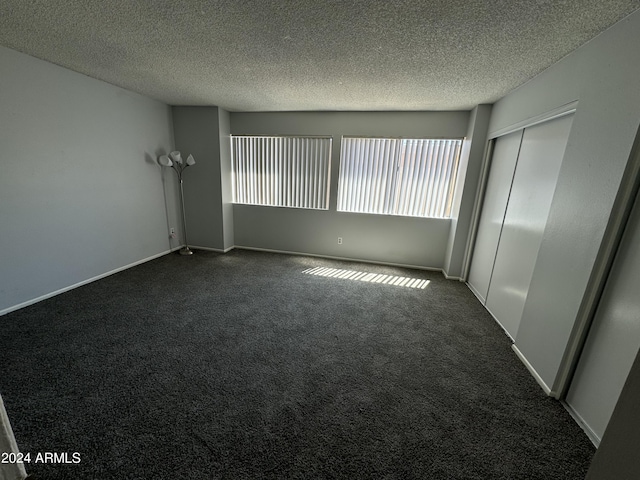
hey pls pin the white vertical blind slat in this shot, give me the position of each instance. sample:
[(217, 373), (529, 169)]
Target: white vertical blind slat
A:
[(385, 192), (352, 190), (361, 176), (435, 181), (403, 166), (326, 167), (371, 175), (392, 182), (441, 178), (422, 149), (376, 186), (426, 180), (409, 167), (307, 169), (453, 177), (446, 175)]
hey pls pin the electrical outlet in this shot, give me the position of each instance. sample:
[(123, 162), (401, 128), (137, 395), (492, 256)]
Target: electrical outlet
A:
[(339, 240), (172, 232)]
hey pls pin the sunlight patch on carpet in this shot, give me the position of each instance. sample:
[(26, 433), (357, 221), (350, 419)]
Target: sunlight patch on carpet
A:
[(368, 277)]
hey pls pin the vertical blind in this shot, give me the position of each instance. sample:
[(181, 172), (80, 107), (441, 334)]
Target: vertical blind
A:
[(394, 176), (281, 171)]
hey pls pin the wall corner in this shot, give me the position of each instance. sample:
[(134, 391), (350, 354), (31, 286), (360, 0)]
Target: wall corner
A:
[(469, 170), (226, 178)]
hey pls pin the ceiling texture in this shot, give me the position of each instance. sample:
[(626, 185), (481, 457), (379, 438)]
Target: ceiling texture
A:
[(269, 55)]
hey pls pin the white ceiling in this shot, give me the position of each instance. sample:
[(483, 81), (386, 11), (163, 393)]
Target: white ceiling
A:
[(269, 55)]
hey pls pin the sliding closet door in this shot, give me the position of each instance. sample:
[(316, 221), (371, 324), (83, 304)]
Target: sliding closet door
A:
[(532, 190), (503, 164), (614, 337)]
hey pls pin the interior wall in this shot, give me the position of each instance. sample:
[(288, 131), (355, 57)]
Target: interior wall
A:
[(617, 456), (196, 132), (466, 187), (602, 75), (403, 240), (81, 193), (224, 123), (613, 340), (376, 238)]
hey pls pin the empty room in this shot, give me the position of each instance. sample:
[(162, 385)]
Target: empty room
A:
[(251, 239)]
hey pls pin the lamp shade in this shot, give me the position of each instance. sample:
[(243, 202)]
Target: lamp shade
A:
[(165, 161), (191, 160), (176, 157)]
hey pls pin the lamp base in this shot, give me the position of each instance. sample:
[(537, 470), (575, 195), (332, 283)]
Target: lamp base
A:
[(186, 251)]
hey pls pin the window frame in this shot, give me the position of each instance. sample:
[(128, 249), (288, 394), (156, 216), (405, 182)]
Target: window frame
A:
[(396, 196), (291, 168)]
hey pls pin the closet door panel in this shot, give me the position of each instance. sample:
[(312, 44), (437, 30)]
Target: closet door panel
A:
[(534, 184), (503, 165)]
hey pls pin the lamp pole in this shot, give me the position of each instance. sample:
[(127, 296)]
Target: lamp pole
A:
[(184, 250), (174, 160)]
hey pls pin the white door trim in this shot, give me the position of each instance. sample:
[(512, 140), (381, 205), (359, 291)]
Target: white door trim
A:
[(560, 111)]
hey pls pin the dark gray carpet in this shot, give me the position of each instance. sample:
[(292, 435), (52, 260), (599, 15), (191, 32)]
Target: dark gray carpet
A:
[(240, 366)]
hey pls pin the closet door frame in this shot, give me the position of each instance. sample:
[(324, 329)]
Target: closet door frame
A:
[(612, 343), (628, 192)]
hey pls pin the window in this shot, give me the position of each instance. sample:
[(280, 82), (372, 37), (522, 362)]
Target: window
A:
[(396, 176), (281, 171)]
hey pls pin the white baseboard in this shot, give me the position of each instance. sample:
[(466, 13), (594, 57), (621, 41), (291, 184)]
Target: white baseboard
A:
[(595, 439), (513, 345), (475, 292), (506, 332), (484, 303), (210, 249), (533, 372), (111, 272), (348, 259), (84, 282), (451, 277)]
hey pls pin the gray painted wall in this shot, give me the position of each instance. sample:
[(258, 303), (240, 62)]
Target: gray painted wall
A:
[(80, 191), (196, 131), (617, 457), (377, 238), (603, 76), (613, 340), (224, 123), (402, 240), (466, 188)]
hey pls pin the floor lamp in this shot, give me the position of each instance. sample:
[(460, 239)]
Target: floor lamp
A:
[(174, 160)]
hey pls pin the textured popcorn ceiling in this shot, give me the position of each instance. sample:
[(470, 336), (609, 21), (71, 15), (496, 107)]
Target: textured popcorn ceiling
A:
[(261, 55)]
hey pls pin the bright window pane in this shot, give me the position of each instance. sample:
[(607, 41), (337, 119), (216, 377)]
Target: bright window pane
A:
[(398, 176), (281, 171)]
